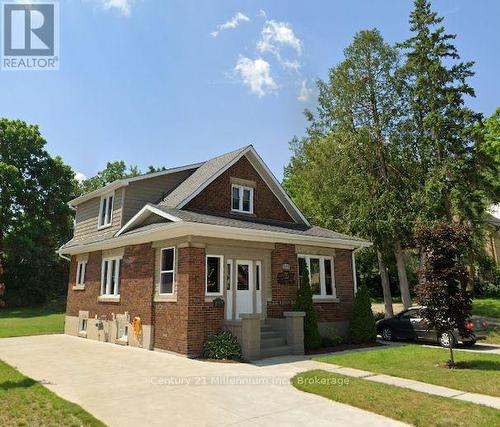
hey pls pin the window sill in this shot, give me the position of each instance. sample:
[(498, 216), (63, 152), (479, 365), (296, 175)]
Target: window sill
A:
[(211, 297), (79, 287), (325, 299), (102, 227), (82, 334), (108, 298), (243, 213), (165, 298), (122, 341)]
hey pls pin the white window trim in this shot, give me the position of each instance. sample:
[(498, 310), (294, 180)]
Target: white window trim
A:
[(83, 265), (167, 271), (240, 208), (322, 258), (103, 292), (107, 220), (221, 276)]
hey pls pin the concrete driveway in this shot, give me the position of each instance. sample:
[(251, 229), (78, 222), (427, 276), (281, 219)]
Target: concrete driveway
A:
[(127, 386)]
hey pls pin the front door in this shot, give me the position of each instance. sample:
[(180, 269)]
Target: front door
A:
[(244, 288)]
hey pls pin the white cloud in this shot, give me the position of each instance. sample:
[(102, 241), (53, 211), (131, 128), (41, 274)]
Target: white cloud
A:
[(256, 75), (290, 65), (305, 93), (276, 35), (231, 24), (122, 6), (80, 177), (262, 14)]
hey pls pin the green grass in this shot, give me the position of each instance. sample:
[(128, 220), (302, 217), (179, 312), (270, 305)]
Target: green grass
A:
[(30, 321), (409, 406), (25, 402), (493, 336), (487, 307), (480, 374)]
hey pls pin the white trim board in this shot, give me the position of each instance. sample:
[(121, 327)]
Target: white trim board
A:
[(145, 212), (184, 228)]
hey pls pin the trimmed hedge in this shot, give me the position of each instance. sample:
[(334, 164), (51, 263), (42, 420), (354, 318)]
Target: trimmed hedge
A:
[(223, 345)]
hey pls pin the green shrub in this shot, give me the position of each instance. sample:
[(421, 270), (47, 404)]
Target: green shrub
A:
[(331, 338), (304, 302), (223, 345), (362, 327)]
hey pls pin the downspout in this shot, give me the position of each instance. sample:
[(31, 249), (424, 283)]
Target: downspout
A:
[(63, 256), (354, 276)]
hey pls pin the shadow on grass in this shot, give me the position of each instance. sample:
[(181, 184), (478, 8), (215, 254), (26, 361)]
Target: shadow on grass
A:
[(26, 313), (481, 365), (25, 383)]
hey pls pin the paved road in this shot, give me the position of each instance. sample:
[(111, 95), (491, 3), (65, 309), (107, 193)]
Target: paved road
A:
[(126, 386)]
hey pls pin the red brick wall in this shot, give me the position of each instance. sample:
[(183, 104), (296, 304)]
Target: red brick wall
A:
[(335, 312), (136, 285), (216, 198), (284, 295), (183, 326)]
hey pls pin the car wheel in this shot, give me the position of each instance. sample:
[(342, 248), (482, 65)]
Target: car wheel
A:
[(469, 343), (447, 340), (387, 334)]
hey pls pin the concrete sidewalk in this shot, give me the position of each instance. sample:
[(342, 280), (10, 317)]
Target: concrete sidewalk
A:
[(124, 386), (436, 390)]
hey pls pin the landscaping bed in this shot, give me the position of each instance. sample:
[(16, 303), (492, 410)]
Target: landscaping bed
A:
[(409, 406), (479, 373)]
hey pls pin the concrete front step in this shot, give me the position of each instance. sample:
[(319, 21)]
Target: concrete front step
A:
[(269, 334), (281, 350), (272, 342)]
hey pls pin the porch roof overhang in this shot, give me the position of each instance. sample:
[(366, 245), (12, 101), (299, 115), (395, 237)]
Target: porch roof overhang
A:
[(180, 228)]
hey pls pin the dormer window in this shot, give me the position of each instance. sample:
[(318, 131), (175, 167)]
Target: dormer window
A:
[(241, 199), (106, 211)]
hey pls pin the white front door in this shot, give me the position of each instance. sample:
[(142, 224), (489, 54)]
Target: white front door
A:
[(244, 288)]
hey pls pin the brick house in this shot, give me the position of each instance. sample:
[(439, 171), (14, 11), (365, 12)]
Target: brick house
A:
[(192, 250)]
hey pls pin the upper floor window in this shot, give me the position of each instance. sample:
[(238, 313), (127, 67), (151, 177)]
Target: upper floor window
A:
[(110, 277), (241, 199), (167, 271), (321, 277), (106, 210), (80, 273)]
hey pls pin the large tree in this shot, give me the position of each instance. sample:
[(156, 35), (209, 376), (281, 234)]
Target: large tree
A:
[(353, 170), (34, 217)]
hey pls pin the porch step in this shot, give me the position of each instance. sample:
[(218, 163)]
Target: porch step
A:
[(265, 327), (272, 342), (269, 334), (276, 351)]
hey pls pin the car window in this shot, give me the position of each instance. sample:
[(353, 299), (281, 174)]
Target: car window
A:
[(410, 314)]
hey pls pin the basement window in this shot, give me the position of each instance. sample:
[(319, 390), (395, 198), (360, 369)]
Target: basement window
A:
[(241, 199)]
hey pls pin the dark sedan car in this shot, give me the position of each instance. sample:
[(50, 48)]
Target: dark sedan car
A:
[(410, 325)]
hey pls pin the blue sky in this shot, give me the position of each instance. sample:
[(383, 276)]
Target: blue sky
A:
[(174, 82)]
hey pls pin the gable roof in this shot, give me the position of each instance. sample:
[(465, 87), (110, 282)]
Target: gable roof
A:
[(212, 169), (126, 181)]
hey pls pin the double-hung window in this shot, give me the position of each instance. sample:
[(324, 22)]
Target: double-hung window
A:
[(80, 273), (167, 271), (241, 199), (105, 211), (110, 277), (214, 279), (321, 277)]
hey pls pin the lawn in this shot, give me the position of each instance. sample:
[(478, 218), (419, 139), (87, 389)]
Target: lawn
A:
[(487, 307), (26, 402), (30, 321), (409, 406), (481, 373)]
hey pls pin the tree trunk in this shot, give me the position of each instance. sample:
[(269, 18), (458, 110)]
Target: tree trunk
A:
[(403, 278), (386, 287)]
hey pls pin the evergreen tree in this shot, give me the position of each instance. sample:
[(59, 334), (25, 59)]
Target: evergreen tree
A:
[(304, 302), (362, 327)]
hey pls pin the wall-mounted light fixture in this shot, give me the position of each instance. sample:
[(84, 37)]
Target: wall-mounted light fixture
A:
[(286, 266)]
